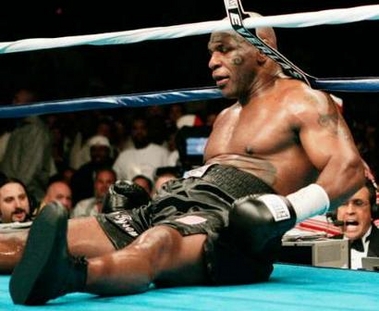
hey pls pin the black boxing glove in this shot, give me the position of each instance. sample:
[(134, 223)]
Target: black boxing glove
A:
[(256, 219), (124, 194)]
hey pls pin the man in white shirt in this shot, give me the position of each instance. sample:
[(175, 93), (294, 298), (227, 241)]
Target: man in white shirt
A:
[(144, 157), (104, 178)]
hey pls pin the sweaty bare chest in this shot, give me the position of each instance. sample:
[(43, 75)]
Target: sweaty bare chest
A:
[(256, 135)]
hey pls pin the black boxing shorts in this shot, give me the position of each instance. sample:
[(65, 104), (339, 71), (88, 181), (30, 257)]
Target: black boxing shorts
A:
[(198, 204)]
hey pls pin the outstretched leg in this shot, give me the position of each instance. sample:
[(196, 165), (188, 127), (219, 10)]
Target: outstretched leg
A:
[(159, 255), (85, 238)]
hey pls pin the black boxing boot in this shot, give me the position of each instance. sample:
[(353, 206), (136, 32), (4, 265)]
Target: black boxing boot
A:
[(124, 194), (46, 270)]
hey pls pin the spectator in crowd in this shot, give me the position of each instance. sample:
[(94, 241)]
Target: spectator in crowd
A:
[(356, 217), (164, 174), (121, 138), (144, 157), (58, 190), (82, 181), (15, 203), (91, 124), (28, 155), (61, 141), (145, 182), (92, 206), (156, 121)]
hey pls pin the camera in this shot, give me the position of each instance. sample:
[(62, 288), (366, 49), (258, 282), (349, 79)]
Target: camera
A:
[(190, 142)]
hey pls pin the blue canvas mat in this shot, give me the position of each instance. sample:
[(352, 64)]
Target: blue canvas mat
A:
[(291, 287)]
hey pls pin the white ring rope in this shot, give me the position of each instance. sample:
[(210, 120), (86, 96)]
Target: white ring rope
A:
[(297, 20)]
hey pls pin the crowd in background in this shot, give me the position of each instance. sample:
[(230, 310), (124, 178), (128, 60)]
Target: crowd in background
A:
[(90, 150)]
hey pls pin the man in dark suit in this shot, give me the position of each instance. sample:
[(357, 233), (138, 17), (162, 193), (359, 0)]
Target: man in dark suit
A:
[(356, 217)]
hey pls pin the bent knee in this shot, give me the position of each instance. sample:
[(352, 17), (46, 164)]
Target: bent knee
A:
[(174, 259), (161, 238), (168, 249)]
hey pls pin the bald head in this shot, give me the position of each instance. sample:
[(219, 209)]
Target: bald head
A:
[(59, 191), (267, 34)]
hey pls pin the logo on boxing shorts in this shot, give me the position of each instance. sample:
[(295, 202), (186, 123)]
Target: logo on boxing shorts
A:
[(191, 220), (123, 220), (277, 206), (197, 172)]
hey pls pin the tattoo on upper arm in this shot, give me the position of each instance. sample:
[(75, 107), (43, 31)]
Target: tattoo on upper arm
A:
[(329, 121), (334, 123)]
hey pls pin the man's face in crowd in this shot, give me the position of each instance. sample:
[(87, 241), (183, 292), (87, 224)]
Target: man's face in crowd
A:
[(356, 214), (14, 203), (59, 191)]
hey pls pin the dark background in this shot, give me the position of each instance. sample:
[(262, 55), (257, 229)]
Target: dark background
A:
[(323, 51)]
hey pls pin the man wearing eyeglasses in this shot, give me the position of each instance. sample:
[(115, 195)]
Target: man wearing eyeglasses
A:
[(356, 217)]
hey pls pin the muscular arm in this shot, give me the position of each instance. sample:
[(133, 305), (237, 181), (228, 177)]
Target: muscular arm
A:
[(329, 145)]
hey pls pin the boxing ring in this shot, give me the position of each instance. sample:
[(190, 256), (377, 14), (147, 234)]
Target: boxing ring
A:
[(294, 288), (291, 287)]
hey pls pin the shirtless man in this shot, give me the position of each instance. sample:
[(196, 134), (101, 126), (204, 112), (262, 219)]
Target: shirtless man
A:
[(281, 140)]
